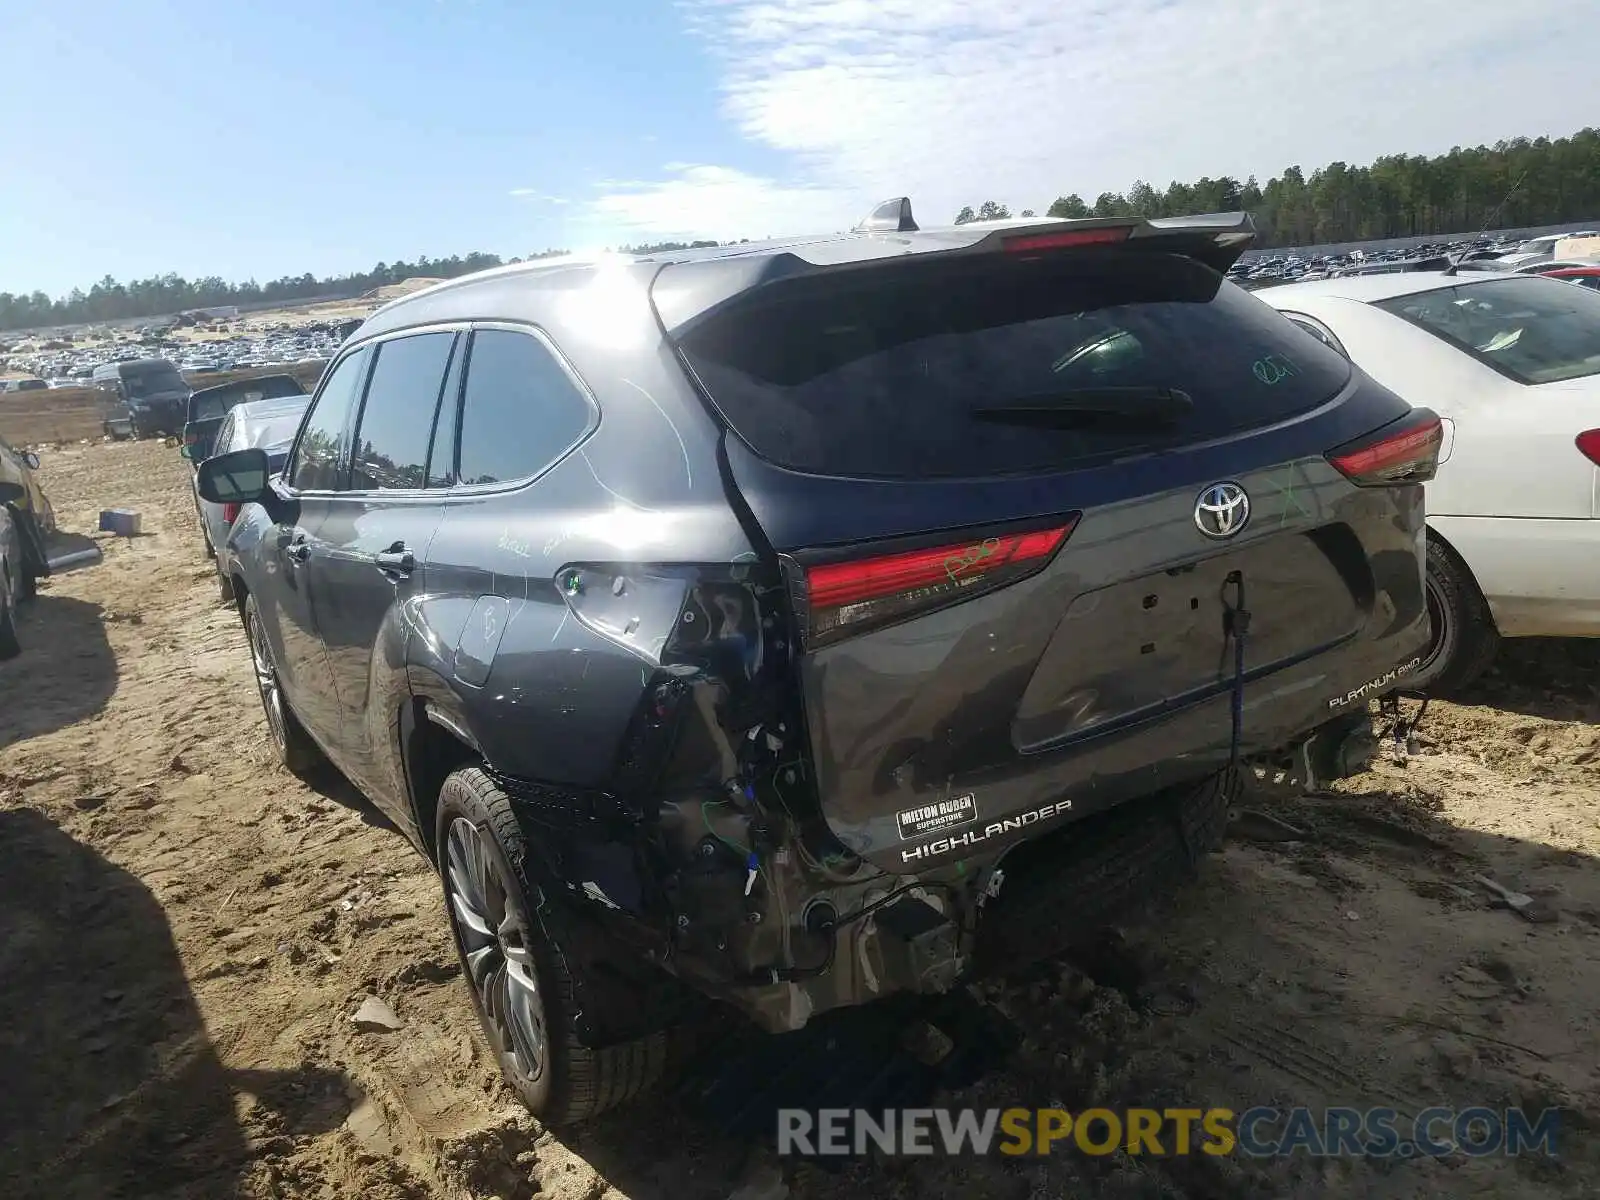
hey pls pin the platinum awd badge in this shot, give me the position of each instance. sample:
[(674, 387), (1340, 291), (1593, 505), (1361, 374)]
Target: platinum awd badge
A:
[(1374, 685)]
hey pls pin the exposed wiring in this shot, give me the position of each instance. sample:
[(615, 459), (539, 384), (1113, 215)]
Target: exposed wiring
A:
[(866, 910), (828, 866), (705, 816), (1400, 729), (790, 974)]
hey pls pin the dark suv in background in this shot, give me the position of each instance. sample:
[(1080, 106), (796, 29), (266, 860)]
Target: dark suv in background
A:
[(147, 396), (806, 622)]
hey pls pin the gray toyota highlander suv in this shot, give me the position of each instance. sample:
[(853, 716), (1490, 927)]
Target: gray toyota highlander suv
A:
[(800, 623)]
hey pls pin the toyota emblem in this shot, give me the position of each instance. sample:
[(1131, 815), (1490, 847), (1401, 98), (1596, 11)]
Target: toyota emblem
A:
[(1222, 510)]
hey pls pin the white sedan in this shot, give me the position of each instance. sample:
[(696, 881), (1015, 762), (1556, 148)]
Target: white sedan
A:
[(1512, 365)]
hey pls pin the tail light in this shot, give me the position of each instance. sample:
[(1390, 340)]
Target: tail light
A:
[(850, 596), (190, 439), (230, 513), (1029, 243), (1404, 452), (1589, 445)]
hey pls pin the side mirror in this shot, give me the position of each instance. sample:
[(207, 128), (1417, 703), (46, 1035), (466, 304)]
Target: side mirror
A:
[(10, 492), (30, 460), (239, 477)]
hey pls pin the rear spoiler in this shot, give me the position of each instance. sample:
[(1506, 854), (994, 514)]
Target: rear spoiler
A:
[(1216, 239), (684, 293)]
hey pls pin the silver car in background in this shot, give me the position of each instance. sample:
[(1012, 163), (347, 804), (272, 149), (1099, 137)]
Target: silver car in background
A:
[(268, 425)]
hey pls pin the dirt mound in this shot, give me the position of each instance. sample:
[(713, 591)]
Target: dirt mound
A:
[(185, 932), (51, 415), (393, 291)]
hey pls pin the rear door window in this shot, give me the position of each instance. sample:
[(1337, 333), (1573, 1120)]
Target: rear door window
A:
[(520, 411), (882, 372), (391, 443)]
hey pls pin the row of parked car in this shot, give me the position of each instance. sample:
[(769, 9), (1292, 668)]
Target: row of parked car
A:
[(256, 344), (1485, 252)]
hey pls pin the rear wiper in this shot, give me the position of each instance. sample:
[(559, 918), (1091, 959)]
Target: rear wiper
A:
[(1081, 407)]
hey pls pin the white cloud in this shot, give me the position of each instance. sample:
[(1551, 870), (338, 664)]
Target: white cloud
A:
[(693, 200), (524, 193), (956, 102)]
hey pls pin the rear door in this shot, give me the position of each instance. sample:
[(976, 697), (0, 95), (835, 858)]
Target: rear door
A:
[(1007, 490), (368, 550)]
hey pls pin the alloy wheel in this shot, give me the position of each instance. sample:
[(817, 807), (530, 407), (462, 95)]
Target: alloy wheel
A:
[(493, 931), (267, 683)]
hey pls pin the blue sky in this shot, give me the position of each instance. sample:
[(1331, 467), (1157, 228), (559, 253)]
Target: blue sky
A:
[(237, 139)]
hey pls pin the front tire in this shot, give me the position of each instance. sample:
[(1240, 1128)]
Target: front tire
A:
[(1464, 638), (296, 751), (508, 939)]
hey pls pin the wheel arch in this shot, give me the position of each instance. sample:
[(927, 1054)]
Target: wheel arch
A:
[(433, 743), (1466, 569)]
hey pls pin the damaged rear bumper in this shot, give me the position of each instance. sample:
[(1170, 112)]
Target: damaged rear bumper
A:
[(1056, 892)]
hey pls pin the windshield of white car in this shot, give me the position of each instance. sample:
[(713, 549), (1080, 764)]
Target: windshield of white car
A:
[(1530, 329)]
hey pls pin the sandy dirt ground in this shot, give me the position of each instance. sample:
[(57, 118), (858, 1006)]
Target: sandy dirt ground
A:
[(185, 932)]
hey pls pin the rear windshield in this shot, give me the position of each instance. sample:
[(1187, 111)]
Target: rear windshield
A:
[(880, 374), (1533, 330), (272, 434), (153, 381), (217, 402)]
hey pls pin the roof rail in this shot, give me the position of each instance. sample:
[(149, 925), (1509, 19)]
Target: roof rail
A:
[(892, 216)]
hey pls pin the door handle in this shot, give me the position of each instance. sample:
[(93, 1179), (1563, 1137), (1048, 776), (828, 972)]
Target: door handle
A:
[(396, 560)]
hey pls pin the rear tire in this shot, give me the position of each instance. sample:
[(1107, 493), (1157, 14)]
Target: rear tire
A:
[(296, 751), (1464, 638), (509, 941)]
